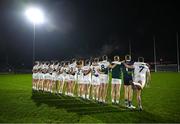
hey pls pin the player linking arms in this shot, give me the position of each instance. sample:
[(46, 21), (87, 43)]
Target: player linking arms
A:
[(141, 77)]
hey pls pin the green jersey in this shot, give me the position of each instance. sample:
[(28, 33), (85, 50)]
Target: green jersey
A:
[(117, 70)]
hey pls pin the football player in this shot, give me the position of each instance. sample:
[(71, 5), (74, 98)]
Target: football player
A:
[(116, 79), (128, 79), (95, 78), (141, 77), (86, 78), (104, 78), (35, 75)]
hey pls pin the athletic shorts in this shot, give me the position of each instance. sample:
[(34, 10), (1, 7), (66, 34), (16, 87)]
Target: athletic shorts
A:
[(104, 78), (139, 82), (34, 76), (128, 80), (86, 80), (47, 76), (95, 80), (60, 77), (41, 76), (71, 78), (66, 77), (116, 81)]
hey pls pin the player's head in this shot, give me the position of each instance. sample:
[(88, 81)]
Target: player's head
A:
[(62, 63), (36, 63), (128, 57), (56, 62), (47, 62), (73, 60), (105, 57), (96, 60), (116, 58), (87, 62), (140, 59)]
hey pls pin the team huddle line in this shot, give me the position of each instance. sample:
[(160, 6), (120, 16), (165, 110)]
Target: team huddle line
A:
[(91, 79)]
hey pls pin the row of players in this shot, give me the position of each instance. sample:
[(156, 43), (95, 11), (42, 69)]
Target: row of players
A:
[(85, 75)]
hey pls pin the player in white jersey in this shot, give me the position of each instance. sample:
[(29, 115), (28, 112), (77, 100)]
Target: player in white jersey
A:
[(104, 78), (86, 78), (60, 77), (41, 76), (54, 77), (95, 78), (35, 75), (46, 75), (66, 77), (141, 77), (72, 67), (79, 77), (50, 70)]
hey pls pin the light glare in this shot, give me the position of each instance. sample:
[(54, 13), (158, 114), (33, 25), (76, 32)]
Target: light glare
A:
[(35, 15)]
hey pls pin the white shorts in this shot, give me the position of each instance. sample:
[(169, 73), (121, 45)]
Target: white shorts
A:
[(116, 81), (95, 80), (104, 78), (60, 77), (47, 76), (34, 76), (66, 77), (41, 76), (86, 80), (138, 80), (71, 78)]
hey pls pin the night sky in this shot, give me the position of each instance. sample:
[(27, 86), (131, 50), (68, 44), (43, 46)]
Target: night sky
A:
[(85, 28)]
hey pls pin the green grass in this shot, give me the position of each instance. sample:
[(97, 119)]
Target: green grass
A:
[(19, 104)]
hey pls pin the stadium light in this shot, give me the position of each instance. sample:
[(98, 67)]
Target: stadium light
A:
[(36, 16)]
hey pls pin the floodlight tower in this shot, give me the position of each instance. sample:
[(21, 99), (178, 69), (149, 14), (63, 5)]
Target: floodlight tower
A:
[(36, 16)]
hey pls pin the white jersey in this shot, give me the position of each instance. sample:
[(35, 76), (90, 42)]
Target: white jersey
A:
[(79, 74), (72, 66), (85, 69), (95, 70), (103, 65), (35, 67), (140, 70)]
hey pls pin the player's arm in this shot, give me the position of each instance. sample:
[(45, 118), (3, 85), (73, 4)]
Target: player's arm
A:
[(99, 71), (112, 65), (128, 66), (86, 72)]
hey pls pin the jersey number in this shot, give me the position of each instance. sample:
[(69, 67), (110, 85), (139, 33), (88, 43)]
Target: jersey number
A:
[(141, 68)]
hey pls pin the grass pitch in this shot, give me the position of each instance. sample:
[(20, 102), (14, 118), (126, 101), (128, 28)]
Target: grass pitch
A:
[(161, 103)]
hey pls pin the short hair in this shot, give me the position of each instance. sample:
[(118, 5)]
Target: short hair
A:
[(96, 59), (140, 59), (105, 57), (116, 58), (128, 57)]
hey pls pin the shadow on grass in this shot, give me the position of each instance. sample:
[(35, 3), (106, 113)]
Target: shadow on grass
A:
[(72, 104), (114, 113)]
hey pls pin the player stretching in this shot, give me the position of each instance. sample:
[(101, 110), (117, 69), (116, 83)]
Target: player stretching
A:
[(127, 76), (116, 79), (104, 78), (141, 76)]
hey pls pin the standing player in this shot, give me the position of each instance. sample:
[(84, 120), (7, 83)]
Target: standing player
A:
[(72, 68), (141, 76), (116, 79), (54, 77), (104, 78), (35, 75), (46, 76), (127, 76), (60, 77), (79, 77), (86, 78), (95, 79)]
